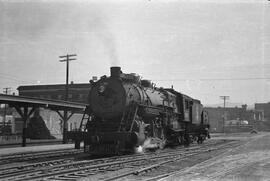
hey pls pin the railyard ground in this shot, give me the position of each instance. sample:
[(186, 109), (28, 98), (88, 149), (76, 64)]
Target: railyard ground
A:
[(248, 161)]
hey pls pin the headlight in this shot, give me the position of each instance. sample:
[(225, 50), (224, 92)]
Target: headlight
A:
[(101, 89)]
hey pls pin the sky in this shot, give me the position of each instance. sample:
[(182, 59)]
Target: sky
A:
[(205, 49)]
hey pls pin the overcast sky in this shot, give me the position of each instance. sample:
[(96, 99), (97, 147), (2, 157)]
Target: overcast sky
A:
[(205, 49)]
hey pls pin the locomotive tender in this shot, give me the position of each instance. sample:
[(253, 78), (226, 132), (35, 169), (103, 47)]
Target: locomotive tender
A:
[(125, 112)]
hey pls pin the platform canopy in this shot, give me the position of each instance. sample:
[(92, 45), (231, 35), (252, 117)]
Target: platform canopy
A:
[(25, 106), (21, 101)]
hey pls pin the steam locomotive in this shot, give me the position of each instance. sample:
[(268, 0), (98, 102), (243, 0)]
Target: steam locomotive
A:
[(126, 112)]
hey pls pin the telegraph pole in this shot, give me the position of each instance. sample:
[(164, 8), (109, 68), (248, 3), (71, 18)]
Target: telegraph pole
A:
[(66, 58), (224, 98), (6, 90)]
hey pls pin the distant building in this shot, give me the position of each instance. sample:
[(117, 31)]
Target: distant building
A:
[(233, 119), (77, 92), (6, 124), (265, 108)]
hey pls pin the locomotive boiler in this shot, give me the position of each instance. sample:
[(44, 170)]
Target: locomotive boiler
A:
[(125, 112)]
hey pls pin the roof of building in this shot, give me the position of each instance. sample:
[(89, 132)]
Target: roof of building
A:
[(36, 102), (53, 86)]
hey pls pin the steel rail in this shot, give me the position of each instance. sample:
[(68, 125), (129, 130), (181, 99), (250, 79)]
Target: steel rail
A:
[(101, 165), (14, 169), (172, 157), (177, 172), (138, 171), (58, 169)]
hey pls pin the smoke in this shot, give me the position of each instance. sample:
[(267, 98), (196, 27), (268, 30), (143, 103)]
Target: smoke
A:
[(100, 23), (109, 44)]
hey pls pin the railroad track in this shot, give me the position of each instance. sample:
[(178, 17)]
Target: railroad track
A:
[(31, 168), (11, 170), (223, 148), (152, 166), (74, 170), (92, 167), (20, 157)]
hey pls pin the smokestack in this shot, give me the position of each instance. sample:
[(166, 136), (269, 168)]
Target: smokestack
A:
[(115, 72)]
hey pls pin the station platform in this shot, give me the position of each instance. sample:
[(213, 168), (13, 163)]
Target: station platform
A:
[(37, 148)]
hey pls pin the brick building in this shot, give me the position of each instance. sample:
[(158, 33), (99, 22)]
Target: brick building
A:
[(233, 119), (265, 107), (77, 92)]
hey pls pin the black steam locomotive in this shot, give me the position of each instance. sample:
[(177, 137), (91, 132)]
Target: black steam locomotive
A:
[(126, 112)]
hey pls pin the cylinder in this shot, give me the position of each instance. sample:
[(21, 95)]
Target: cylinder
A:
[(115, 72)]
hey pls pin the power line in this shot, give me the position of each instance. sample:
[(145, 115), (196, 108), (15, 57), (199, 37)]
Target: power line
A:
[(6, 90), (67, 59), (224, 98), (258, 78), (218, 79), (8, 77)]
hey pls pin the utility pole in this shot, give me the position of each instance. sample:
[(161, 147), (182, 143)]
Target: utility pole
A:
[(224, 98), (66, 58), (6, 90)]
